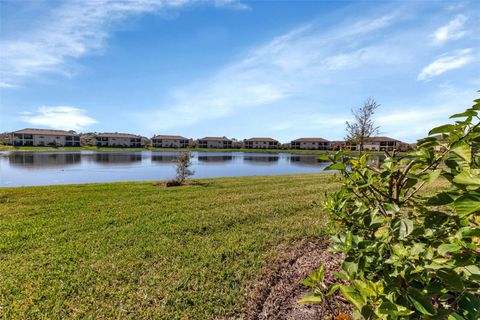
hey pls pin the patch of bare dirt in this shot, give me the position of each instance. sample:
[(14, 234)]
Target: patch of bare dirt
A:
[(173, 183), (275, 294)]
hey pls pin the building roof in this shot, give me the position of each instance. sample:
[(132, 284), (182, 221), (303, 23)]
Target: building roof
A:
[(167, 137), (310, 140), (379, 139), (260, 140), (215, 139), (46, 132), (117, 135)]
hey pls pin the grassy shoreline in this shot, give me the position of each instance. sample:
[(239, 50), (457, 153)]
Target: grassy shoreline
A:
[(134, 250), (113, 149)]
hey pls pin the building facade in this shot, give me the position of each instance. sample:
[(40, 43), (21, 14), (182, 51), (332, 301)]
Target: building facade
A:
[(162, 141), (215, 143), (45, 137), (377, 144), (310, 144), (118, 140), (260, 143)]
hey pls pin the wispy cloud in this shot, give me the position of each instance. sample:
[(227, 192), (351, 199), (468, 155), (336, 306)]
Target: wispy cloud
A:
[(74, 29), (278, 70), (454, 30), (59, 117), (446, 63)]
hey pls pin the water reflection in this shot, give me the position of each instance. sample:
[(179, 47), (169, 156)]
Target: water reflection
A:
[(215, 158), (111, 158), (304, 161), (165, 158), (36, 160), (46, 168), (261, 160)]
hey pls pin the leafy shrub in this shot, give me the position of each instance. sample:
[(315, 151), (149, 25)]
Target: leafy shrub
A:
[(408, 254)]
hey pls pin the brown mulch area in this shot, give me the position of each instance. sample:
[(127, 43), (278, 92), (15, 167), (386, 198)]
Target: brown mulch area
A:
[(172, 183), (275, 294)]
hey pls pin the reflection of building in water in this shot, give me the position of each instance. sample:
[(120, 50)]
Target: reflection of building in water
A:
[(261, 158), (214, 159), (117, 158), (304, 161), (165, 158), (43, 159)]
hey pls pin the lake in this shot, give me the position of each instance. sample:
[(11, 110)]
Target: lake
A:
[(50, 168)]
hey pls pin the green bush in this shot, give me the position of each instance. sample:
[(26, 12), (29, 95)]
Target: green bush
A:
[(408, 254)]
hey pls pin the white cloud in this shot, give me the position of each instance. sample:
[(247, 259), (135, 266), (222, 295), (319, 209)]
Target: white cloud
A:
[(454, 30), (6, 85), (72, 30), (280, 69), (445, 63), (59, 117)]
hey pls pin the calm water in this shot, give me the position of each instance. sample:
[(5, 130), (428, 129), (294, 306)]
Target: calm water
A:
[(46, 168)]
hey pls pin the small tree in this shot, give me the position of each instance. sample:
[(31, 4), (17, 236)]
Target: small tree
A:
[(363, 125), (183, 168)]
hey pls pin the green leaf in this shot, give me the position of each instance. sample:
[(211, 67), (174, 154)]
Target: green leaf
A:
[(467, 179), (353, 296), (442, 129), (448, 247), (420, 301), (467, 113), (365, 288), (350, 267), (336, 166), (406, 227), (386, 307), (469, 305), (451, 279), (473, 272), (382, 232), (455, 316), (467, 203), (463, 150), (311, 298), (333, 289)]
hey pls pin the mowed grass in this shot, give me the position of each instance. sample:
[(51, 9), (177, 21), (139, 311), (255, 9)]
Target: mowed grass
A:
[(134, 250)]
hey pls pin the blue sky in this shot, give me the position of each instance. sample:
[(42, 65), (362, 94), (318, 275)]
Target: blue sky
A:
[(283, 69)]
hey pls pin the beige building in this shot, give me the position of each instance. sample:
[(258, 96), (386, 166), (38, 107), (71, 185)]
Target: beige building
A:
[(45, 137), (378, 144), (310, 144), (162, 141), (215, 142), (260, 143), (118, 140)]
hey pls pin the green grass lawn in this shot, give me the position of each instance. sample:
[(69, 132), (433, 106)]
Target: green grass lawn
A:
[(133, 250)]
